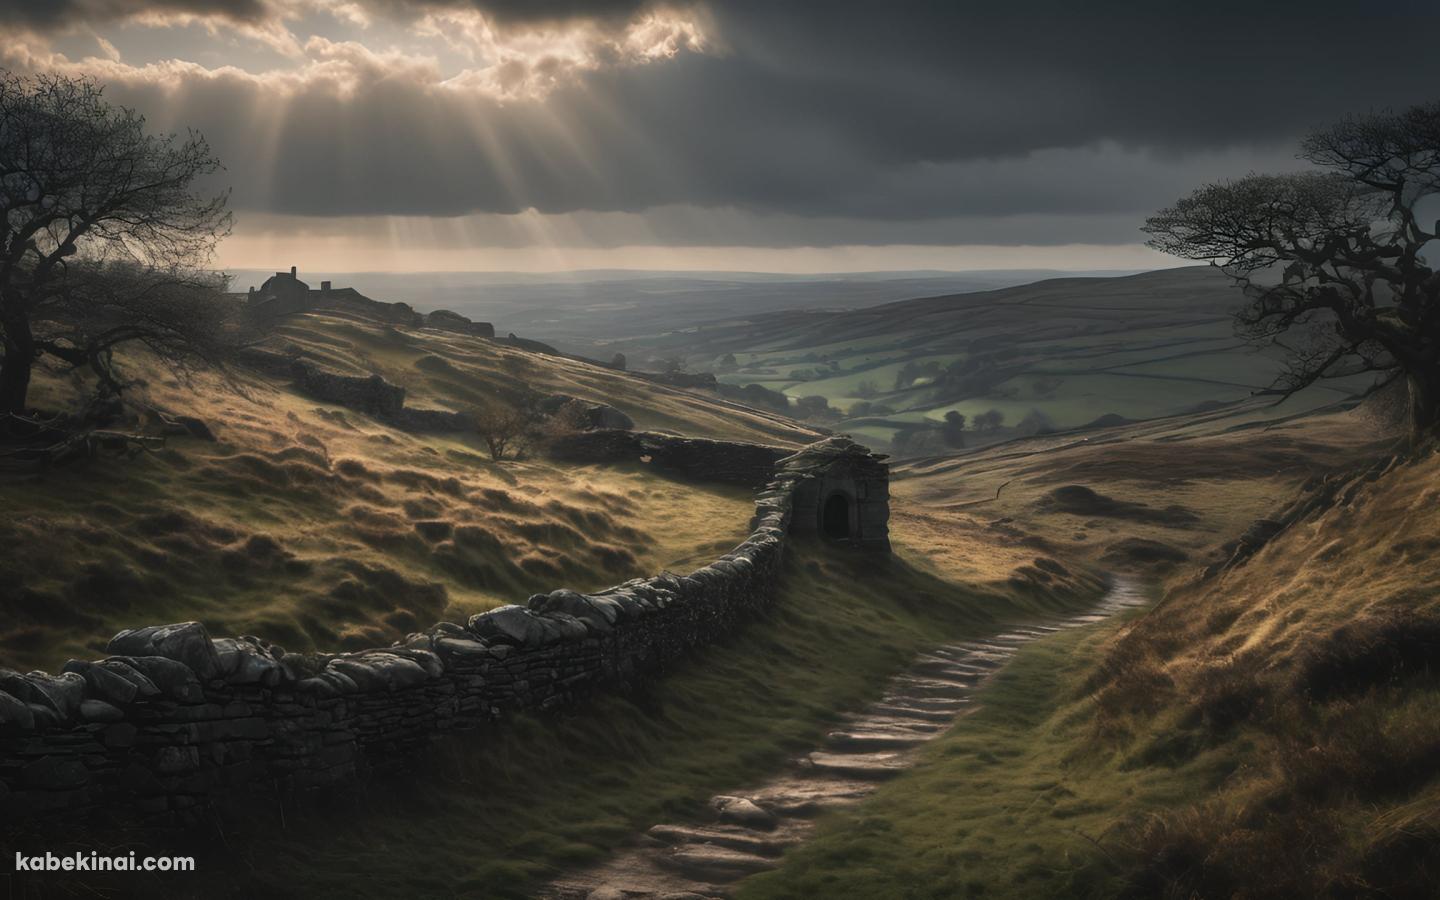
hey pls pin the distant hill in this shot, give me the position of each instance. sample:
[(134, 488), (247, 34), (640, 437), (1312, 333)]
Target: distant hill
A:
[(1055, 354), (585, 312)]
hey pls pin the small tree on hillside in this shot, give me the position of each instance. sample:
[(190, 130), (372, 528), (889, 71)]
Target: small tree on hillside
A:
[(104, 236), (989, 420), (1332, 261), (953, 429), (504, 430)]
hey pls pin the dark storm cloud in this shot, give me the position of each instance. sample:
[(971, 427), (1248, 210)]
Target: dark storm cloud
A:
[(889, 111)]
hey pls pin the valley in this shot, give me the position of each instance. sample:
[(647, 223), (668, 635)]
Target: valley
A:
[(339, 529)]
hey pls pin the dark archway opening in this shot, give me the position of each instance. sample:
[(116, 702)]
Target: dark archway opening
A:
[(835, 517)]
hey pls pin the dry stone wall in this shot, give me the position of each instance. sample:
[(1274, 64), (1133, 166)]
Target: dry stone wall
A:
[(727, 462), (174, 721)]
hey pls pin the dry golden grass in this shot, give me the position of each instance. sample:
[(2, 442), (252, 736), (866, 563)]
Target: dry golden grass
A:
[(1180, 488), (1312, 666), (319, 527), (1269, 732), (450, 371)]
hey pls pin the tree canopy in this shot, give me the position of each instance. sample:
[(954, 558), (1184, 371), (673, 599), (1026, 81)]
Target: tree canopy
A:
[(1332, 260), (105, 236)]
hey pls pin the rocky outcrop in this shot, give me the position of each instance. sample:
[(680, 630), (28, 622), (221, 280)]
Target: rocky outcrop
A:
[(513, 340), (173, 721), (445, 320), (584, 413)]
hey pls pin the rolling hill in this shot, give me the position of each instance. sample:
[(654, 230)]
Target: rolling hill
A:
[(314, 525), (1056, 354)]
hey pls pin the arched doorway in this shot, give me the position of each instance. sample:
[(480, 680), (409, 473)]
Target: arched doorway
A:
[(835, 517)]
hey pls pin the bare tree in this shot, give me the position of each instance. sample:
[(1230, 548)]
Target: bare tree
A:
[(104, 237), (182, 318), (1332, 262), (504, 430)]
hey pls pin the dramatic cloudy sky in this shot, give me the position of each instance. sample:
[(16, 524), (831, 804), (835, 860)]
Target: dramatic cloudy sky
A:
[(746, 134)]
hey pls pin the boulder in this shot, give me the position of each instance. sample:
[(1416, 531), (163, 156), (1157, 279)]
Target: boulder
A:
[(599, 616), (424, 658), (14, 714), (585, 413), (61, 694), (243, 661), (185, 642), (103, 683), (145, 689), (173, 679), (512, 625), (380, 671), (742, 811), (603, 415), (461, 649), (567, 627), (100, 711)]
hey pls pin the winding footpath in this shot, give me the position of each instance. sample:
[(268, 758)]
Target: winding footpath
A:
[(752, 829)]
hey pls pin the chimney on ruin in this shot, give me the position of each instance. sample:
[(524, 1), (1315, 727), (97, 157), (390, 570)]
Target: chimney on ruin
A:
[(293, 273), (325, 287)]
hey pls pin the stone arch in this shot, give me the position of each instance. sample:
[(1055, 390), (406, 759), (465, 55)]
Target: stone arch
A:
[(839, 476), (837, 516)]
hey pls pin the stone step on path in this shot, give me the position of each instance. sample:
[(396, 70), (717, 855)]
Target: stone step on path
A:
[(750, 832), (952, 705), (912, 713), (874, 739)]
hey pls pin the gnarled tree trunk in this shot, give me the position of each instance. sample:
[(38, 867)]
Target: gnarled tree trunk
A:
[(1424, 402), (15, 368)]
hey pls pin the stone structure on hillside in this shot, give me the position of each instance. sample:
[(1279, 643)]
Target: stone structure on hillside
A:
[(173, 724), (842, 492), (846, 497), (284, 294)]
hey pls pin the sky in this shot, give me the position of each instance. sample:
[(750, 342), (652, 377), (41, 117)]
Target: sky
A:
[(755, 135)]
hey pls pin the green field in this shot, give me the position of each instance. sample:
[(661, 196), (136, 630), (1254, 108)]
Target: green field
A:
[(1056, 354)]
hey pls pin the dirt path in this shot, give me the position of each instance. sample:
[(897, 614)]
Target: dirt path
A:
[(752, 829)]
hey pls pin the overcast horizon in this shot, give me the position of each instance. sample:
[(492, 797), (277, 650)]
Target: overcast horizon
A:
[(497, 135)]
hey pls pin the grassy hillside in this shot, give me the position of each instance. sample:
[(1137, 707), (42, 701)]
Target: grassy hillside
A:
[(1159, 495), (1055, 354), (1268, 731), (491, 815), (317, 526)]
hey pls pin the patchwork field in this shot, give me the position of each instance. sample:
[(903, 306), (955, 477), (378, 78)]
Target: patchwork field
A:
[(1053, 355)]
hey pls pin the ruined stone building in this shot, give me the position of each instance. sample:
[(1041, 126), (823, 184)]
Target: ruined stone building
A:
[(284, 294)]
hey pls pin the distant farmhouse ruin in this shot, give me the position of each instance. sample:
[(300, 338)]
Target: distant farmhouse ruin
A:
[(284, 294)]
